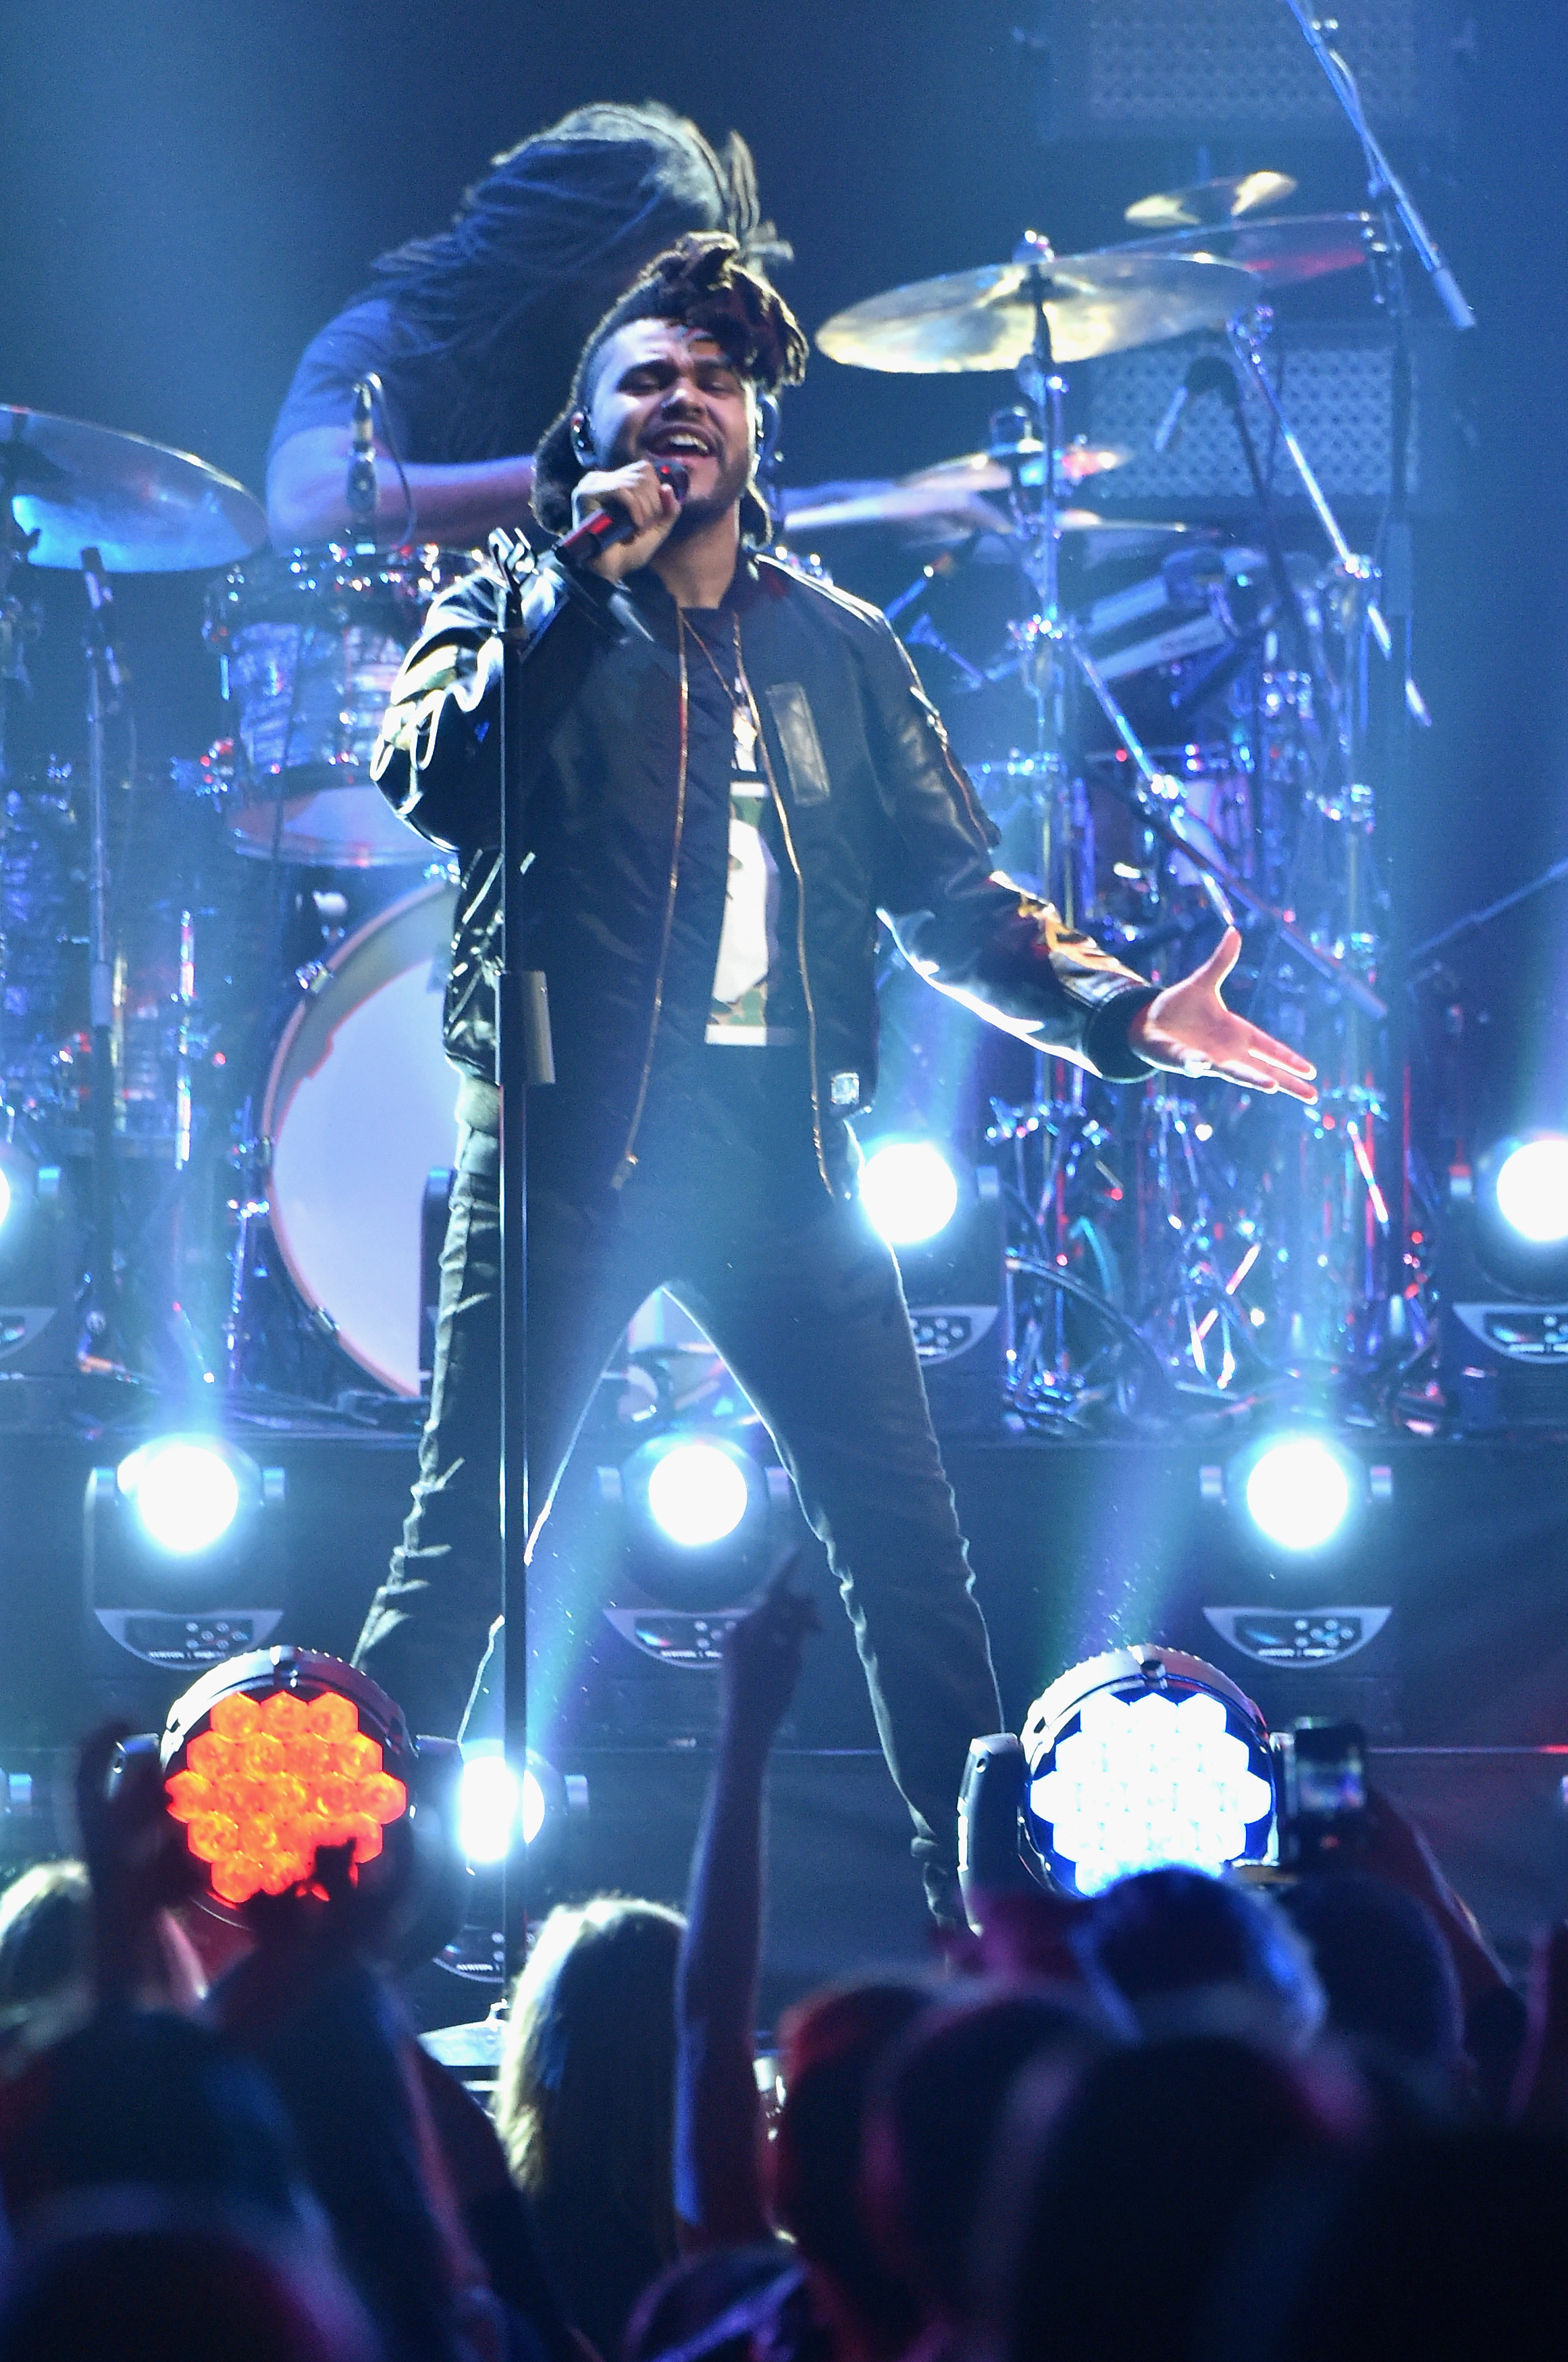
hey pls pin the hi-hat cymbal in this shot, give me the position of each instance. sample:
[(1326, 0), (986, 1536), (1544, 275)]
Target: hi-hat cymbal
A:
[(985, 319), (1282, 253), (1212, 201), (146, 510)]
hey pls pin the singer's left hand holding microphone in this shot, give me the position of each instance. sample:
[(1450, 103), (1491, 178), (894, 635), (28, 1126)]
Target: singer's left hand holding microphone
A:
[(649, 504)]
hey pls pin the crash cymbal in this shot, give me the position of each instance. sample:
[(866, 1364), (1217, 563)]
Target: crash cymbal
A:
[(985, 319), (146, 510), (988, 471), (1281, 253), (1212, 201)]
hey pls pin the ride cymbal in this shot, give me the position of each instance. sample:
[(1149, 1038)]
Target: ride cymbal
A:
[(146, 509), (985, 319)]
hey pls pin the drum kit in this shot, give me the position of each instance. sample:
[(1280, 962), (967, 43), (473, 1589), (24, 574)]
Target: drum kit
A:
[(245, 959), (221, 986), (1170, 730)]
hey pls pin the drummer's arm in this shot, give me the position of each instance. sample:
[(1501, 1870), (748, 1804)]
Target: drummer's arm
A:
[(307, 492)]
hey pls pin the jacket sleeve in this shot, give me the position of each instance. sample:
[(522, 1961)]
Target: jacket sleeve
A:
[(438, 753), (966, 927)]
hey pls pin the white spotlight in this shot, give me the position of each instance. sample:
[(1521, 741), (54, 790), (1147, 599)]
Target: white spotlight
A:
[(488, 1809), (5, 1194), (1532, 1191), (910, 1190), (184, 1494), (697, 1493), (1298, 1493)]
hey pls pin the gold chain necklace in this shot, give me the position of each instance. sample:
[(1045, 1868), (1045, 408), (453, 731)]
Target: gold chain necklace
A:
[(738, 693)]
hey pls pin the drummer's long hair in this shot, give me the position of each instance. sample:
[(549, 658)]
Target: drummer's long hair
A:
[(702, 283), (540, 248)]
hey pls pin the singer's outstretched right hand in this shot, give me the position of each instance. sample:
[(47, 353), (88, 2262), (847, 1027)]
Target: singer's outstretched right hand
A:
[(638, 493)]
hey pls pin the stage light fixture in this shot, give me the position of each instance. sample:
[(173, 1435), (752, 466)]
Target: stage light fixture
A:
[(185, 1491), (182, 1558), (1531, 1187), (490, 1813), (278, 1752), (1298, 1492), (1501, 1284), (37, 1265), (1141, 1758), (910, 1190), (698, 1492)]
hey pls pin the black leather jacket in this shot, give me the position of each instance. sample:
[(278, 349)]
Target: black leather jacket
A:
[(875, 814)]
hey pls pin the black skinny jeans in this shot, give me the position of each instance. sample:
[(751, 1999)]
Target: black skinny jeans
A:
[(810, 1315)]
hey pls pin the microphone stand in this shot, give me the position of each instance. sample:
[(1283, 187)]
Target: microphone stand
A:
[(1387, 192), (1383, 186), (523, 1055)]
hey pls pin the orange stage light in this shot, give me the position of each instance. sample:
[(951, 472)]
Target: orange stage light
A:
[(273, 1778)]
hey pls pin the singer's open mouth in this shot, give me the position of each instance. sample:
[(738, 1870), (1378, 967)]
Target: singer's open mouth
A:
[(679, 443)]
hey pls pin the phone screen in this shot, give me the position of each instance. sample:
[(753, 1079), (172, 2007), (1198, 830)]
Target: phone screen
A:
[(1328, 1785)]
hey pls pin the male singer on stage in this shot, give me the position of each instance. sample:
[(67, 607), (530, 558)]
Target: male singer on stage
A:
[(474, 332), (732, 772)]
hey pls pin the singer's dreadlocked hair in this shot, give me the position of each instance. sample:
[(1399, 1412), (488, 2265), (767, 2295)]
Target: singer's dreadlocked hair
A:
[(556, 229), (701, 283)]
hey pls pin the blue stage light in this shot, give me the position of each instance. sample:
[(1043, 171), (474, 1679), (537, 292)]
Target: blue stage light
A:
[(1533, 1190), (698, 1492), (186, 1494), (5, 1194), (910, 1191), (1298, 1493), (1141, 1759)]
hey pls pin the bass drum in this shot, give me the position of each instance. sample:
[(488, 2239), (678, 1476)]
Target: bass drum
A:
[(360, 1111)]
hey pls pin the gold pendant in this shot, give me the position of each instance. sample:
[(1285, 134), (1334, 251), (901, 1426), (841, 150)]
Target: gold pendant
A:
[(746, 739)]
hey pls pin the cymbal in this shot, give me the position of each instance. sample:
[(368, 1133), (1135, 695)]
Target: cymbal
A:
[(146, 509), (1212, 201), (940, 497), (1285, 252), (988, 471), (985, 319)]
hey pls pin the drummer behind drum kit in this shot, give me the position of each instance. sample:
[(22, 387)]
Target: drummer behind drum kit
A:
[(286, 968)]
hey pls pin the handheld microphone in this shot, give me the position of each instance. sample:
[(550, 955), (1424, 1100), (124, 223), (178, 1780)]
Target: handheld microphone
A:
[(361, 489), (608, 526), (1209, 374)]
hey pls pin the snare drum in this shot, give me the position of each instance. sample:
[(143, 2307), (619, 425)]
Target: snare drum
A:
[(310, 642), (358, 1112)]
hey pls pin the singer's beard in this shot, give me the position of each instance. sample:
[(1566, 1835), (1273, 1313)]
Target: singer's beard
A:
[(699, 510)]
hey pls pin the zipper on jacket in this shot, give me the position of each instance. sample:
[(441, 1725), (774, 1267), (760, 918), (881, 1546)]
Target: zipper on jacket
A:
[(800, 907), (628, 1158)]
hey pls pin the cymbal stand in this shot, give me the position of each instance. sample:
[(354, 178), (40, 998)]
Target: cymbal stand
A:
[(105, 680), (1031, 438), (1352, 1100), (15, 545)]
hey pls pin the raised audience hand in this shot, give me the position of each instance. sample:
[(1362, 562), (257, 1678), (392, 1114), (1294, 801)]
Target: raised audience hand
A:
[(762, 1661), (1395, 1849), (1540, 2085), (138, 1862)]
